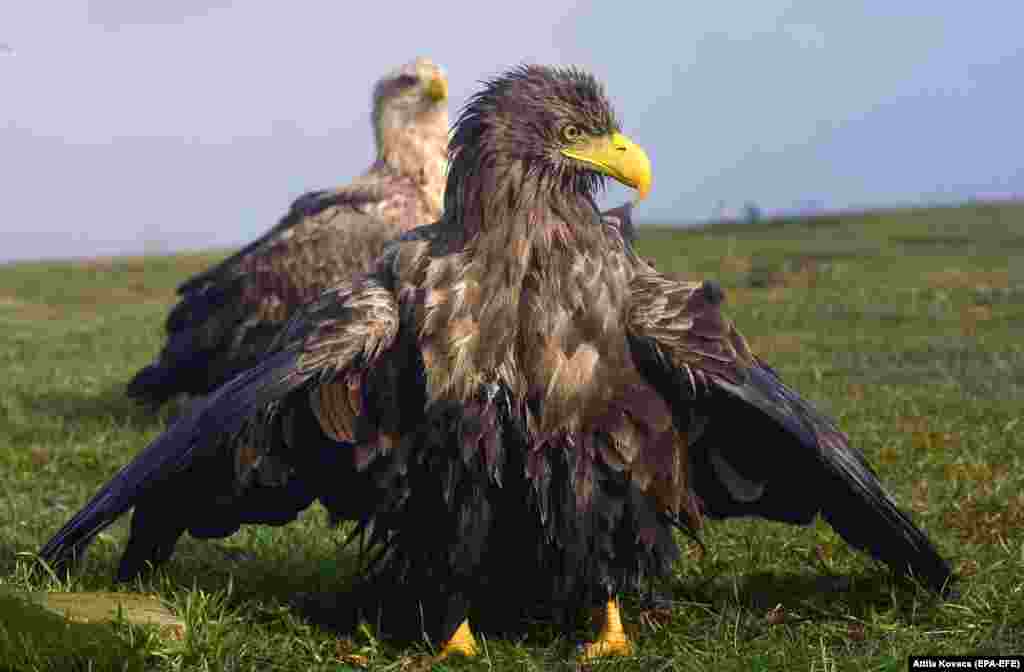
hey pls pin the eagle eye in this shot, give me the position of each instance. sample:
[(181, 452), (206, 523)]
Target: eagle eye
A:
[(571, 132), (405, 81)]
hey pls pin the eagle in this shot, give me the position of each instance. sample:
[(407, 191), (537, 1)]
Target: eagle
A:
[(229, 314), (520, 408)]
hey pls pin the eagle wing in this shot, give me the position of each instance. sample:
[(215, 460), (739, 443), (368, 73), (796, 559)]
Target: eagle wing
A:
[(228, 315), (195, 474), (756, 447)]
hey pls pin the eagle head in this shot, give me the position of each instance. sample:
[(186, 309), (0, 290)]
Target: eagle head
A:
[(554, 125)]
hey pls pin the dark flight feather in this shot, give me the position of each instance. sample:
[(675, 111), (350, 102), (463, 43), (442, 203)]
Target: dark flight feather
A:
[(201, 448), (763, 450), (848, 493)]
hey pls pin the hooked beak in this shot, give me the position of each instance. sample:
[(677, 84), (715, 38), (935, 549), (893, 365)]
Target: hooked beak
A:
[(618, 157), (437, 88)]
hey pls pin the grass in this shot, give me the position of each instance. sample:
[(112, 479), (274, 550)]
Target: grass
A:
[(906, 325)]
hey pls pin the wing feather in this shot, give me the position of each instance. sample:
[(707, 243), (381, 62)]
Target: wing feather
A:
[(763, 450), (228, 315), (346, 330)]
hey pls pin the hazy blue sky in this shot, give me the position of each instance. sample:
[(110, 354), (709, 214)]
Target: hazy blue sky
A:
[(131, 126)]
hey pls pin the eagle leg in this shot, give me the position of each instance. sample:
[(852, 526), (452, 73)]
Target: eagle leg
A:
[(612, 640), (461, 643)]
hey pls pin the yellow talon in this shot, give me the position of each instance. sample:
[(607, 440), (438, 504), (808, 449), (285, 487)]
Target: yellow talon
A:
[(462, 643), (612, 640)]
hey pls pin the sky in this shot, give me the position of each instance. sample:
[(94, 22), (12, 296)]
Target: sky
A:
[(130, 127)]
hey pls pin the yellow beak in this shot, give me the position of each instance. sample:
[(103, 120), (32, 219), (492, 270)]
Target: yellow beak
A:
[(617, 157), (437, 89)]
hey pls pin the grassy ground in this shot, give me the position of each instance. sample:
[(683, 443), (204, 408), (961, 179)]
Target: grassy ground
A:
[(906, 325)]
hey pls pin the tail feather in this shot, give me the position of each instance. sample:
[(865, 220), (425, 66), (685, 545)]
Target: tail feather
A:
[(159, 382), (201, 432), (186, 363), (181, 367), (808, 467)]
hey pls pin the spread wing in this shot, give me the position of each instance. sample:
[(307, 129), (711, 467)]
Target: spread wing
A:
[(757, 448), (196, 475), (228, 315)]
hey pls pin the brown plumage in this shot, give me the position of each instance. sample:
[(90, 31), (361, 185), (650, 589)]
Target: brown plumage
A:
[(521, 408), (622, 219), (228, 315)]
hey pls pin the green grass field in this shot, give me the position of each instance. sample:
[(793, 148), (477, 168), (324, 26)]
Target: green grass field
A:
[(908, 326)]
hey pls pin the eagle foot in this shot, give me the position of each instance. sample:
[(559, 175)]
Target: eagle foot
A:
[(612, 640), (462, 643)]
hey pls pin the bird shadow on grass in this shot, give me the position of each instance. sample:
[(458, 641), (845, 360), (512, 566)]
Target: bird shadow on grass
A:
[(400, 619), (770, 598), (77, 405), (815, 595)]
